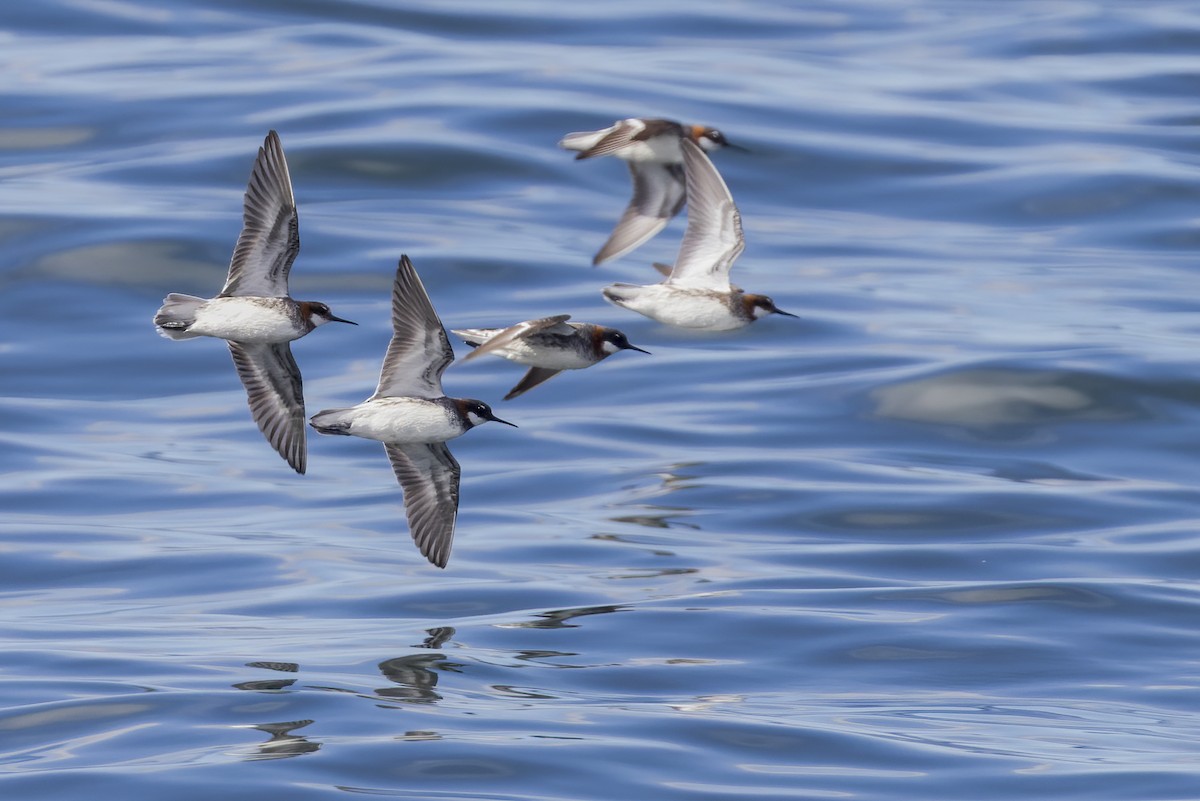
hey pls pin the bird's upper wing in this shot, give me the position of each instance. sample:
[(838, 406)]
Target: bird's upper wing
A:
[(276, 397), (658, 195), (666, 270), (713, 239), (429, 476), (614, 138), (270, 237), (515, 332), (419, 351)]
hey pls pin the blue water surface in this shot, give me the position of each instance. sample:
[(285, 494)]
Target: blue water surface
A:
[(934, 539)]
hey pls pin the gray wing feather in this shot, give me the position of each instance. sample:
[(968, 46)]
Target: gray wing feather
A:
[(429, 476), (713, 239), (531, 379), (419, 351), (658, 195), (666, 269), (618, 136), (509, 335), (270, 237), (275, 393)]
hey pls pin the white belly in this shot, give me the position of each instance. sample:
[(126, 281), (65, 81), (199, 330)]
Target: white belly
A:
[(402, 420), (246, 320), (684, 308), (551, 358), (660, 150)]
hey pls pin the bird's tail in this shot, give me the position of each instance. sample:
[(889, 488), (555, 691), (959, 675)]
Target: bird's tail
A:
[(176, 315), (474, 336), (580, 141), (331, 421), (621, 294)]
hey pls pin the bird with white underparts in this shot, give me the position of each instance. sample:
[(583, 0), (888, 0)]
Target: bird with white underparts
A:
[(411, 415), (547, 346), (697, 293), (254, 313), (651, 149)]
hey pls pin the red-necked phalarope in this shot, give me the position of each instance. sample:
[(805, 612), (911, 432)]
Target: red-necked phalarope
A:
[(697, 293), (411, 415), (651, 148), (254, 313), (548, 346)]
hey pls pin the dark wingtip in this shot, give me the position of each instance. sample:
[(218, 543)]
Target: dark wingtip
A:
[(297, 460)]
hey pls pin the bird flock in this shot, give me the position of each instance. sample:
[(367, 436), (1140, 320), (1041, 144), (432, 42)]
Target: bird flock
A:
[(409, 412)]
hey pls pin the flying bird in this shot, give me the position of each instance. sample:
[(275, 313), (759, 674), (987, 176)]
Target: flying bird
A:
[(254, 312)]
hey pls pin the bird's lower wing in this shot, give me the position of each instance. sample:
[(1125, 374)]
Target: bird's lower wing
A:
[(659, 194), (535, 376), (429, 476), (276, 396)]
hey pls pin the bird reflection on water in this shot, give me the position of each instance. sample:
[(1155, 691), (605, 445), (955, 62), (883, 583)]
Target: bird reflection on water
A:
[(417, 674), (282, 743), (559, 618), (416, 677)]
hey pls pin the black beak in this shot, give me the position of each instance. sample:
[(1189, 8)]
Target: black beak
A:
[(340, 320), (496, 419), (739, 148), (785, 314), (635, 347)]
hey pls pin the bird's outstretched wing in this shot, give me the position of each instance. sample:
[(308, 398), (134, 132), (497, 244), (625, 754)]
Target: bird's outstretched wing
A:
[(429, 476), (713, 239), (276, 396), (270, 237), (534, 376), (658, 195), (419, 351)]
